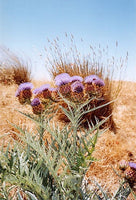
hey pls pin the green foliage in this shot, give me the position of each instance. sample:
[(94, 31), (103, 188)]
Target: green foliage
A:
[(51, 169)]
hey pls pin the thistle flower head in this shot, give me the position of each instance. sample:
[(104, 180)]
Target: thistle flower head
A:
[(35, 102), (62, 79), (77, 87), (23, 86), (94, 79), (76, 78), (41, 89), (132, 165)]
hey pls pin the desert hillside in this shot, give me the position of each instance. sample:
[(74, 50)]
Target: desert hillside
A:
[(110, 149)]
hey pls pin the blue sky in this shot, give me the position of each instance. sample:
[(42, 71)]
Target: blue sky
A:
[(25, 26)]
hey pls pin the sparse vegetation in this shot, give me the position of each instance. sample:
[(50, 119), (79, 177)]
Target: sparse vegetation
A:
[(47, 159), (13, 69)]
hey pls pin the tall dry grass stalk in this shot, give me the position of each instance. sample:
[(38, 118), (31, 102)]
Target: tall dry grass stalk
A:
[(13, 69), (62, 58)]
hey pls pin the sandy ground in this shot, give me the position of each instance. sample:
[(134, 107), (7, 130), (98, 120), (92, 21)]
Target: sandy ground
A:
[(110, 149)]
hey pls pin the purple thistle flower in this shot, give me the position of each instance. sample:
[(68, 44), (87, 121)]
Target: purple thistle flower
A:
[(62, 79), (35, 102), (94, 79), (23, 86), (132, 165), (76, 78), (91, 78), (77, 87), (99, 82), (41, 89)]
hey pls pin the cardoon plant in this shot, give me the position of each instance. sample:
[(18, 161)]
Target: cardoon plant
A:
[(52, 163)]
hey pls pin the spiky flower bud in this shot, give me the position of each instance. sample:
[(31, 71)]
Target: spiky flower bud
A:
[(62, 79), (123, 164), (37, 107), (130, 174), (24, 93)]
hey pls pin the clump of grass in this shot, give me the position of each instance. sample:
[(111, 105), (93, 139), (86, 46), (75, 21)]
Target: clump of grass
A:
[(67, 59), (13, 69)]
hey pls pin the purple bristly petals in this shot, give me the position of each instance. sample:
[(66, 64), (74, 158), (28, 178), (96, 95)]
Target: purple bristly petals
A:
[(132, 165), (41, 89), (91, 78), (35, 102), (94, 79), (99, 82), (76, 78), (77, 87), (62, 79), (23, 86)]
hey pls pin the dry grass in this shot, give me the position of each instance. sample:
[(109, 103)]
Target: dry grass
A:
[(110, 148), (13, 69)]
